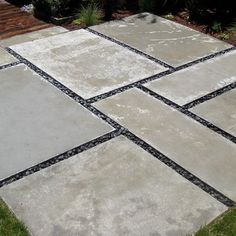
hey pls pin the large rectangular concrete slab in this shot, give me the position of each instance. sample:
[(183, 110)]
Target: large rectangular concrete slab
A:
[(86, 63), (193, 146), (221, 111), (113, 189), (196, 81), (166, 40), (32, 36), (38, 121), (5, 57)]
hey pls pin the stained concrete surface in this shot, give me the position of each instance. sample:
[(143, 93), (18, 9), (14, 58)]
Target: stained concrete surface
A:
[(86, 63), (192, 145), (32, 36), (173, 43), (196, 81), (220, 111), (38, 121), (5, 57), (115, 188)]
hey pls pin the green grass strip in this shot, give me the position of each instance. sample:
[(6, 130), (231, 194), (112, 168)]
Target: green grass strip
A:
[(9, 225), (225, 225)]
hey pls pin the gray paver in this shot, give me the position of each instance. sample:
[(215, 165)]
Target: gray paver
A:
[(220, 111), (196, 81), (5, 57), (38, 121), (192, 145), (86, 63), (32, 36), (163, 39), (115, 188)]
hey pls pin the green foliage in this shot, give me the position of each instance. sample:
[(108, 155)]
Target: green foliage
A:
[(232, 27), (223, 226), (9, 225), (224, 36), (146, 5), (89, 15), (215, 27)]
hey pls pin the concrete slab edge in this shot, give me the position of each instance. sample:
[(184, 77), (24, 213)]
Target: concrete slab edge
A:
[(130, 48), (209, 96), (180, 170), (202, 59), (63, 156), (188, 113)]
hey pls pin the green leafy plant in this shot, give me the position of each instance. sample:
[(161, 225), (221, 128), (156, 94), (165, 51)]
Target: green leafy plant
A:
[(146, 5), (89, 15), (224, 36), (232, 27), (215, 27)]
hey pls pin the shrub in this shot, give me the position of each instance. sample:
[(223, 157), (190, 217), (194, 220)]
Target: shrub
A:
[(89, 15)]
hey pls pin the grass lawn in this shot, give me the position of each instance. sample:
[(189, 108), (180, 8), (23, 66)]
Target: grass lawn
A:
[(225, 225), (9, 225)]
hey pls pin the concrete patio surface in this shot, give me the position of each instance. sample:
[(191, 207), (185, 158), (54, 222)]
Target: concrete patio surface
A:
[(126, 128), (163, 39), (86, 63), (114, 189)]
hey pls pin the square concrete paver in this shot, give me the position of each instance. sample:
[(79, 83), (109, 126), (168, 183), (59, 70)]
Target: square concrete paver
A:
[(221, 111), (38, 121), (115, 188), (173, 43), (32, 36), (86, 63), (192, 145), (5, 57), (196, 81)]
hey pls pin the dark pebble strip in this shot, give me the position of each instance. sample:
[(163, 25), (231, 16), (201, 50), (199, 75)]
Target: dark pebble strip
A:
[(10, 65), (189, 114), (61, 157), (180, 170), (202, 59), (210, 96), (130, 48)]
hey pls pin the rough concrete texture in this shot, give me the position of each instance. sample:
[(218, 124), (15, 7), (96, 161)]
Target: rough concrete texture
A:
[(163, 39), (196, 81), (113, 189), (86, 63), (220, 111), (5, 57), (32, 36), (192, 145), (38, 121)]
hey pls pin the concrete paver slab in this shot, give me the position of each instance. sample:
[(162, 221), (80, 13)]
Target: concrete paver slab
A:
[(220, 111), (86, 63), (193, 146), (196, 81), (32, 36), (173, 43), (115, 188), (5, 57), (38, 121)]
